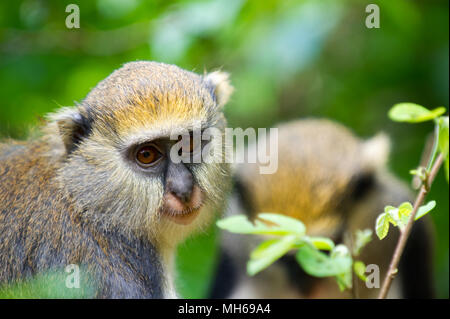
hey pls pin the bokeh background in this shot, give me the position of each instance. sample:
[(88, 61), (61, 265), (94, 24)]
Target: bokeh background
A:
[(288, 59)]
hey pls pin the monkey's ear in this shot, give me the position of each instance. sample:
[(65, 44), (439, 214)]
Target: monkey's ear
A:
[(376, 151), (72, 127), (220, 83)]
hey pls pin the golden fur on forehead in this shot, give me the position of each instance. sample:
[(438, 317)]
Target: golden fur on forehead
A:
[(143, 93)]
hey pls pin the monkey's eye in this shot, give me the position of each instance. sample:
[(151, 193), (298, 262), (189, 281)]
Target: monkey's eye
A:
[(148, 155)]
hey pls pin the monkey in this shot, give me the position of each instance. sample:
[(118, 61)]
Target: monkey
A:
[(335, 183), (99, 187)]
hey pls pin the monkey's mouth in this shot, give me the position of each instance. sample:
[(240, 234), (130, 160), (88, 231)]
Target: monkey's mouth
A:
[(182, 217), (183, 213)]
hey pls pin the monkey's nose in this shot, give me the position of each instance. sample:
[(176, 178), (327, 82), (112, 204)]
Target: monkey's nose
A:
[(183, 196), (179, 182), (181, 188), (182, 192)]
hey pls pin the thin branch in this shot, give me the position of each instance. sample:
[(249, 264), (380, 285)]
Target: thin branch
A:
[(406, 232)]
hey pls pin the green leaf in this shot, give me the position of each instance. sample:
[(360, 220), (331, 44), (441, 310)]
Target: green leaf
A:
[(344, 281), (392, 215), (319, 264), (425, 209), (263, 249), (321, 243), (278, 225), (268, 252), (388, 208), (405, 209), (443, 135), (413, 113), (360, 269), (382, 225), (363, 237), (285, 222), (399, 216), (340, 251)]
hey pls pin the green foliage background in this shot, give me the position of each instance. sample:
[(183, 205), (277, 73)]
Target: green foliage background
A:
[(288, 59)]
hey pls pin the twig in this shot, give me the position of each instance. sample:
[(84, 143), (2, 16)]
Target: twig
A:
[(405, 233)]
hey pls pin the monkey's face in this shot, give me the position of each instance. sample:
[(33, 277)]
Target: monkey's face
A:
[(135, 150)]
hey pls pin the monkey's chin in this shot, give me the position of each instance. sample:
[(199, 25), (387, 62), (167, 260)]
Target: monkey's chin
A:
[(182, 217)]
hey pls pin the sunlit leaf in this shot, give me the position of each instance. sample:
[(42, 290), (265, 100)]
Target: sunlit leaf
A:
[(425, 209), (399, 216), (319, 264), (344, 281), (321, 243), (263, 249), (240, 224), (340, 251), (392, 214), (388, 208), (413, 113), (405, 209), (360, 268), (443, 135), (284, 222), (382, 225), (363, 237), (268, 252)]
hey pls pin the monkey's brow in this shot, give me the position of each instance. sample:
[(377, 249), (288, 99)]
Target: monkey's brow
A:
[(148, 136)]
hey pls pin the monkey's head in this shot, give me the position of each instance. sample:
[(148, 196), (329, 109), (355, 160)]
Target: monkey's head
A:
[(324, 173), (119, 149)]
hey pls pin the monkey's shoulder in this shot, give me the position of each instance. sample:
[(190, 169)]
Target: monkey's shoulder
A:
[(17, 158), (46, 239), (119, 265), (27, 177)]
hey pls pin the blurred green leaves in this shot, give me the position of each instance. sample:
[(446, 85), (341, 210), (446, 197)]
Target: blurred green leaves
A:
[(195, 264), (290, 235), (176, 31), (266, 223), (362, 238), (48, 285), (115, 9)]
